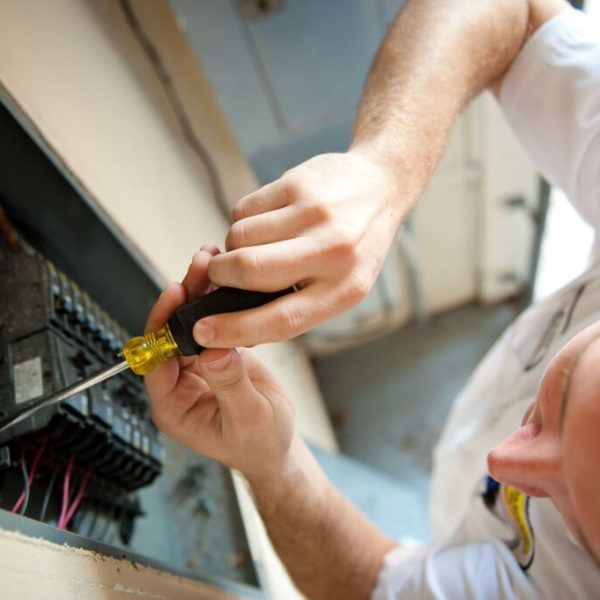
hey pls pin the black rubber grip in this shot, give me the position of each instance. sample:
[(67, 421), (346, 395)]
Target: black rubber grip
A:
[(223, 300)]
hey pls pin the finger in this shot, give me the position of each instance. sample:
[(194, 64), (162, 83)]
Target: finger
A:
[(211, 249), (266, 268), (272, 196), (283, 224), (172, 297), (225, 373), (170, 407), (282, 319), (196, 280), (164, 378)]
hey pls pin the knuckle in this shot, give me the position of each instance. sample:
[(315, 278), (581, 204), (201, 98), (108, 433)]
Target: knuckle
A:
[(213, 271), (343, 245), (229, 381), (291, 321), (249, 267), (236, 236), (240, 210), (318, 212), (291, 188), (357, 289)]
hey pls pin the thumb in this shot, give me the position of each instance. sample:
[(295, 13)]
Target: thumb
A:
[(225, 373)]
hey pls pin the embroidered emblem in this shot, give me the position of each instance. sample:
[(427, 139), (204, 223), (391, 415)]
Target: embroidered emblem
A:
[(513, 510), (516, 506)]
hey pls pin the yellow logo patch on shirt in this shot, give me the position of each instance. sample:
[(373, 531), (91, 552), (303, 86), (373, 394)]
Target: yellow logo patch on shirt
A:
[(516, 506)]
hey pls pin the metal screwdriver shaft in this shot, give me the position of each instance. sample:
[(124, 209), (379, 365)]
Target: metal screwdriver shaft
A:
[(62, 395)]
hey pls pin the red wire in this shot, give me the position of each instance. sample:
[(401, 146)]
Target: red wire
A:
[(34, 464), (77, 500), (65, 495)]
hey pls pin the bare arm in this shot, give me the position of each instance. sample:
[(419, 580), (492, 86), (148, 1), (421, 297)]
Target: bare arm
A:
[(227, 406), (436, 56), (329, 222), (328, 547)]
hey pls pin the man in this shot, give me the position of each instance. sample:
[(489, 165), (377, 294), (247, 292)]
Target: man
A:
[(533, 527)]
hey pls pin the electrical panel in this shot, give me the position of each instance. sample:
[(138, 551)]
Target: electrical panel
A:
[(93, 471), (52, 335)]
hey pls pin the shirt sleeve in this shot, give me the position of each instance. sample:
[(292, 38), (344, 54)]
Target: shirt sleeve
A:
[(551, 98), (479, 571)]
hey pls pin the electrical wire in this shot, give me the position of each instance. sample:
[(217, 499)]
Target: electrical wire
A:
[(177, 106), (105, 529), (77, 501), (23, 499), (79, 518), (48, 493), (65, 492), (92, 525)]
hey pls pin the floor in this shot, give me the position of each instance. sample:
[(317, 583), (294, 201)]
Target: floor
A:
[(388, 399)]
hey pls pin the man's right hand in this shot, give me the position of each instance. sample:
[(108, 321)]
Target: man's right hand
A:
[(328, 223), (325, 225)]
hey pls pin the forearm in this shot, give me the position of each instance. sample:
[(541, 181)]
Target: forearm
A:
[(436, 56), (329, 548)]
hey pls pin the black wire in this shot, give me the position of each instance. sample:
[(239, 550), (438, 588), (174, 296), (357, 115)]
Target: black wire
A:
[(107, 525), (92, 525), (79, 518), (48, 493), (177, 106), (25, 484)]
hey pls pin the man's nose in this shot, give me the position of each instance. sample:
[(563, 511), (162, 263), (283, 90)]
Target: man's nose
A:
[(529, 459)]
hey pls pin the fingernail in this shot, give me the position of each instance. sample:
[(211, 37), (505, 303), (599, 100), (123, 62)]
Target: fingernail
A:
[(219, 363), (204, 333)]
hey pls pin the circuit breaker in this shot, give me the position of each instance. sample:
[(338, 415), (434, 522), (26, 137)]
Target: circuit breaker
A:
[(52, 334), (93, 472)]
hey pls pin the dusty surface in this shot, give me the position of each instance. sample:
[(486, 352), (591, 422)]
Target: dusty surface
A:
[(36, 568)]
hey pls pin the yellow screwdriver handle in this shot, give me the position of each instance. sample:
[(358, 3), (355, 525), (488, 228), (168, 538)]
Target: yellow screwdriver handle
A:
[(144, 353)]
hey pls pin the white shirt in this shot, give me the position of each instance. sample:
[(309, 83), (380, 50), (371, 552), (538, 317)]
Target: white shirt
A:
[(551, 97)]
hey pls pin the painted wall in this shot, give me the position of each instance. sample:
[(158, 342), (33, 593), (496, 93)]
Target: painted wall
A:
[(77, 73)]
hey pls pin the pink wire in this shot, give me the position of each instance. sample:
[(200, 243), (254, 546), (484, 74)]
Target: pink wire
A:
[(77, 500), (36, 460), (65, 494)]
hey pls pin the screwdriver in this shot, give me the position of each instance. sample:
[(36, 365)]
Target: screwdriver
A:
[(144, 353)]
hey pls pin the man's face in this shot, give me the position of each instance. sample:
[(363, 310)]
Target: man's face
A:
[(556, 452)]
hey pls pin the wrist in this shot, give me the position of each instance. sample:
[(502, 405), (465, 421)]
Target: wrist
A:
[(403, 163), (295, 476)]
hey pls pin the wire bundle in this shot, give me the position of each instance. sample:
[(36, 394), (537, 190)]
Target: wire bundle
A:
[(23, 499), (66, 511)]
